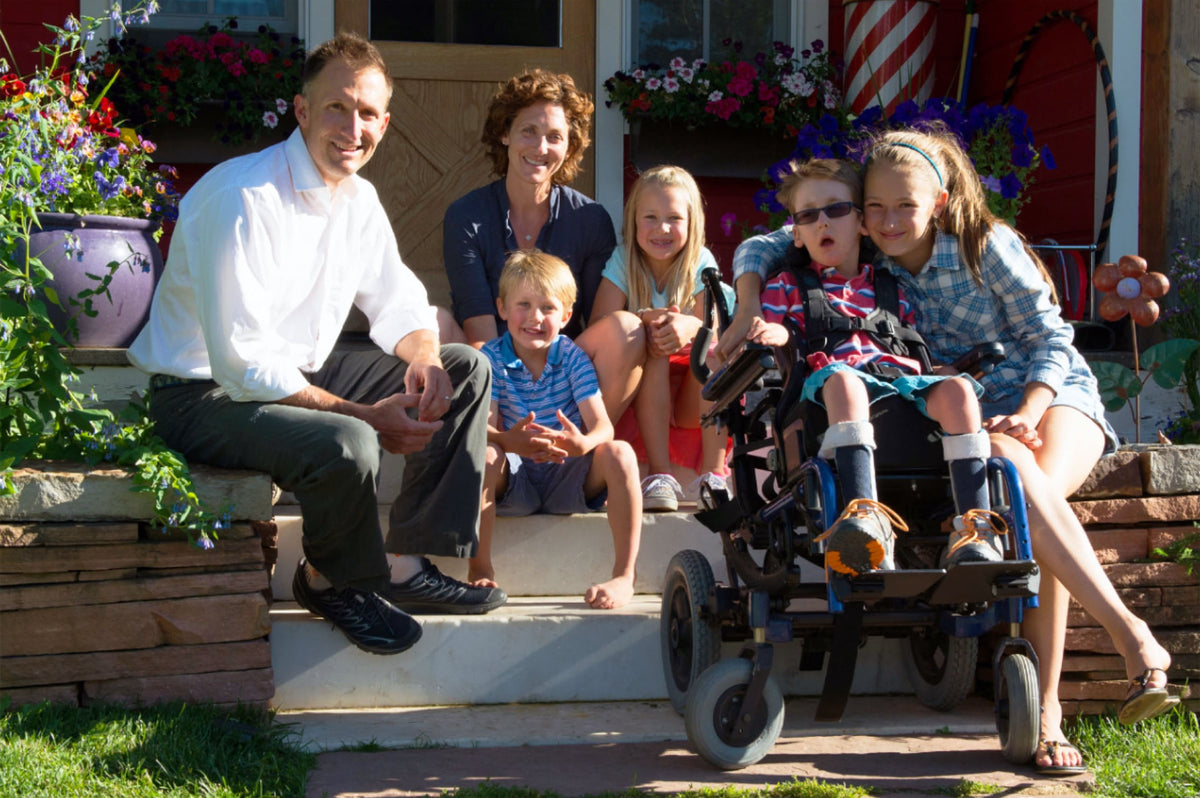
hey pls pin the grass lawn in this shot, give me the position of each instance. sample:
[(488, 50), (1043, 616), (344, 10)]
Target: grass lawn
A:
[(181, 750)]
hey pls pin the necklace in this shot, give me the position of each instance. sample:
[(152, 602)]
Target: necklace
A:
[(528, 238)]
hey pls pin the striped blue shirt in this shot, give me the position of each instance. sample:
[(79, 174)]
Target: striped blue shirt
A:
[(568, 379)]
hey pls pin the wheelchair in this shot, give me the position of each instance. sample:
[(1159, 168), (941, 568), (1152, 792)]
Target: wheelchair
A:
[(784, 498)]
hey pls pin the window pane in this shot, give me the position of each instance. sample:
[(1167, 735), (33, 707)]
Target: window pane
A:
[(693, 29), (224, 8), (669, 28), (521, 23), (248, 8)]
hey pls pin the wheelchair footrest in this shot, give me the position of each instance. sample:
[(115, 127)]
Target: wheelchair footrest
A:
[(885, 584), (976, 582)]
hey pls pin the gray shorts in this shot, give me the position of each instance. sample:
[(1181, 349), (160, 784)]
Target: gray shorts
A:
[(1071, 394), (548, 487)]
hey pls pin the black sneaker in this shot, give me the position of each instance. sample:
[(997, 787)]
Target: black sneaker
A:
[(431, 591), (370, 622)]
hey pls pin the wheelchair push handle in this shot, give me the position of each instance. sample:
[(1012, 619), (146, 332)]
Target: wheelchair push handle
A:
[(714, 299), (981, 360)]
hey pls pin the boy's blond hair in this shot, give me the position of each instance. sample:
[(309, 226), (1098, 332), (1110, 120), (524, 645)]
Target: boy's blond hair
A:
[(541, 271), (833, 169)]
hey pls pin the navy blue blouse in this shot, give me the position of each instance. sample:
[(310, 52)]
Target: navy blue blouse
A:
[(477, 238)]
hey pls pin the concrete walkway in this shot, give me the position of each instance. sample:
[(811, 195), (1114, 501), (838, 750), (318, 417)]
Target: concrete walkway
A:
[(889, 744)]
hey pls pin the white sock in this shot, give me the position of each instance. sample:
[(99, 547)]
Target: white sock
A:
[(314, 578), (406, 566)]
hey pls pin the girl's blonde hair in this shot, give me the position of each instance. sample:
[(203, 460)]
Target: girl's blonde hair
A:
[(966, 215), (681, 279)]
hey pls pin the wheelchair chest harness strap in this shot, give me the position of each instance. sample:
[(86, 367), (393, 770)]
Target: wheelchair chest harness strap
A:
[(826, 329)]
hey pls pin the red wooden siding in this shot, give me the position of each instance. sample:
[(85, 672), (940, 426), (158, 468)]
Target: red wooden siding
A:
[(23, 28)]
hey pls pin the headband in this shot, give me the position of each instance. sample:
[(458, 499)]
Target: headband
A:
[(920, 152)]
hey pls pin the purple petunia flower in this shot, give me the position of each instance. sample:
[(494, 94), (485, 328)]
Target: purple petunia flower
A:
[(1010, 186), (110, 158), (108, 189)]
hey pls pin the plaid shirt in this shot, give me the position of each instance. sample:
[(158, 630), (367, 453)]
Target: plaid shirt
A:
[(1013, 307), (954, 314)]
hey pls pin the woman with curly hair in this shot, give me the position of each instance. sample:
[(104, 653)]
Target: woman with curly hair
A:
[(535, 136)]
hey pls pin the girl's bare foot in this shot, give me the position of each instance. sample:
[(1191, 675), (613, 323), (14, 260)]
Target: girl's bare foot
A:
[(610, 595), (480, 574), (1055, 751)]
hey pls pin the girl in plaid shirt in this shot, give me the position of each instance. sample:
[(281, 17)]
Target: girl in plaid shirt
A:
[(825, 198), (972, 279)]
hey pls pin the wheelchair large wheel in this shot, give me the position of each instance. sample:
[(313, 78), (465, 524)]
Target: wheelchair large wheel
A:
[(690, 642), (1018, 708), (941, 667), (713, 709)]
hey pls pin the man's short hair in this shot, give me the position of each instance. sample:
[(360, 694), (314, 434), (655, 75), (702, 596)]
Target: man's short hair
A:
[(541, 271), (350, 48)]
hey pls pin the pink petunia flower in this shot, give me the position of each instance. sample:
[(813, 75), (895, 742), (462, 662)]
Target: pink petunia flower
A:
[(670, 85), (270, 119), (281, 105)]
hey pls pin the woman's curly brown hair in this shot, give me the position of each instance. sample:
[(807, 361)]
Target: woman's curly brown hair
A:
[(522, 91)]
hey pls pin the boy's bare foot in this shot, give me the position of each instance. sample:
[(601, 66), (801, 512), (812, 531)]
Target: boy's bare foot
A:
[(481, 574), (610, 595)]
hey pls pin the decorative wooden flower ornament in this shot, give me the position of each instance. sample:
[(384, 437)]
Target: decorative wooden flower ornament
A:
[(1133, 290)]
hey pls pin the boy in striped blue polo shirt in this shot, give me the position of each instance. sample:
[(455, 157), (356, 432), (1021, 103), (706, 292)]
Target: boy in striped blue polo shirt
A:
[(544, 397)]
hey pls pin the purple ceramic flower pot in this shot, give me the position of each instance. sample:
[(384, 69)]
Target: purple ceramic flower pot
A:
[(101, 240)]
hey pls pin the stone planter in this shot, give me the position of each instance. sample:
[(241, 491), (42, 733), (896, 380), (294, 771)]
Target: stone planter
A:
[(711, 151), (102, 240), (95, 607)]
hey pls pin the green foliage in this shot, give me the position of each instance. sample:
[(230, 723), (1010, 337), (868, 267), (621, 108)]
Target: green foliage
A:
[(252, 83), (179, 750), (1166, 363), (1185, 552), (60, 152), (775, 90), (1154, 759)]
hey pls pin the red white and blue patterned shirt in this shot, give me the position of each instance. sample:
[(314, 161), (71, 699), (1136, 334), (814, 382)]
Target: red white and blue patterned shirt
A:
[(853, 297)]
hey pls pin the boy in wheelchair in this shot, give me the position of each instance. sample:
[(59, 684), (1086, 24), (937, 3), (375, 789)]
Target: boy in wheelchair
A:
[(858, 351)]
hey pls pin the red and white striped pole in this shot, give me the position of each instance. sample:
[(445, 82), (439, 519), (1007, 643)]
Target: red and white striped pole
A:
[(890, 52)]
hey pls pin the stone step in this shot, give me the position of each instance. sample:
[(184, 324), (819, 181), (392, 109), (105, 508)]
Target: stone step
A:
[(546, 555), (533, 650)]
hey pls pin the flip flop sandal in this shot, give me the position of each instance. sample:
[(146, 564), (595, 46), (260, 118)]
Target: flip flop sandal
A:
[(1050, 748), (1145, 701)]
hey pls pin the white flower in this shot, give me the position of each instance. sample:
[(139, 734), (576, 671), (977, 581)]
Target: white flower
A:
[(797, 83), (653, 84), (715, 97), (698, 64), (686, 74), (269, 119), (281, 105), (678, 63), (780, 60), (638, 74), (671, 85)]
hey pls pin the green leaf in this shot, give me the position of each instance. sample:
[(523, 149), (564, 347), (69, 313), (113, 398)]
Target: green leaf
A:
[(1168, 359), (1117, 384)]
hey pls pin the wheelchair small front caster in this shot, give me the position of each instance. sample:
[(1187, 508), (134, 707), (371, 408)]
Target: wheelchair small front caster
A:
[(690, 640), (1018, 708), (724, 731)]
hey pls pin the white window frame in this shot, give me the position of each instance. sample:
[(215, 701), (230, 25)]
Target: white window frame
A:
[(614, 51), (314, 20)]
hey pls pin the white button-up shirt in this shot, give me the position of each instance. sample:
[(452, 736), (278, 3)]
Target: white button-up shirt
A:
[(265, 263)]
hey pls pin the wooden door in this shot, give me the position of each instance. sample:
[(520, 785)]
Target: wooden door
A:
[(431, 154)]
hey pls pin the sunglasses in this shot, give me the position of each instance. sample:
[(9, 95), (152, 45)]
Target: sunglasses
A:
[(835, 210)]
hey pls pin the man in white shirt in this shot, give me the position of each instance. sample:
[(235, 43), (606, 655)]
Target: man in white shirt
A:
[(270, 252)]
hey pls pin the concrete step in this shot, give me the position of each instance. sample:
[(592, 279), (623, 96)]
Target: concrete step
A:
[(533, 650), (545, 555)]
